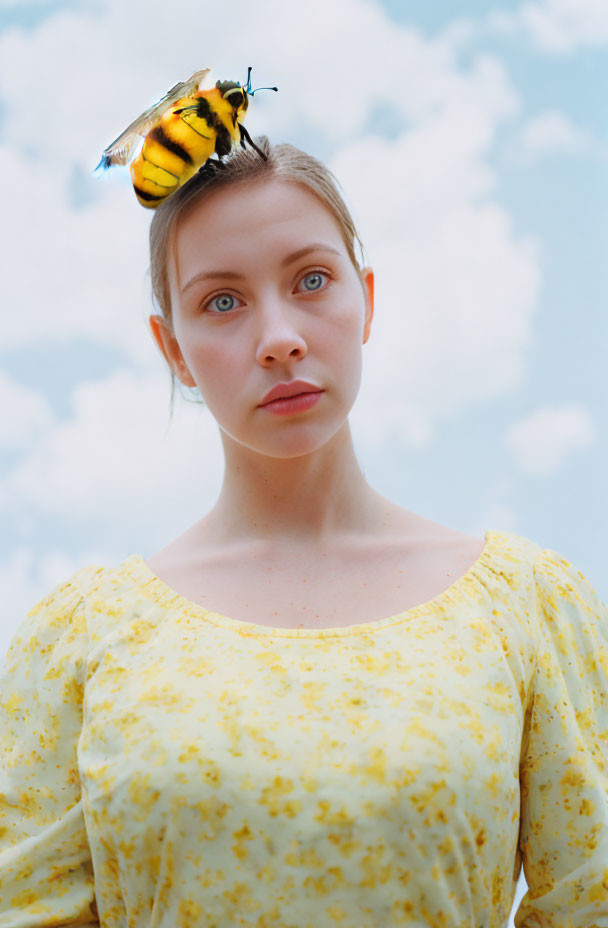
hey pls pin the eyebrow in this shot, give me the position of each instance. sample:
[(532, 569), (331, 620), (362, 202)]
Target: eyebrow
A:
[(234, 275)]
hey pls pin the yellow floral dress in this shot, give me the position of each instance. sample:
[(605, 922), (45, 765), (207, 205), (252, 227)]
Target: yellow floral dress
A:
[(164, 766)]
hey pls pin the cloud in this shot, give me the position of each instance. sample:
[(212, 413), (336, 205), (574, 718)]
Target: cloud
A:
[(456, 288), (113, 452), (26, 413), (541, 442), (70, 273), (550, 133), (555, 26)]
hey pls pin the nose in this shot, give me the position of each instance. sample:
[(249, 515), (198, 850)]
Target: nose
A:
[(279, 336)]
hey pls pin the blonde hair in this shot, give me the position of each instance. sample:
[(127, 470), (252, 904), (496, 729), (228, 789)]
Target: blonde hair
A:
[(283, 162)]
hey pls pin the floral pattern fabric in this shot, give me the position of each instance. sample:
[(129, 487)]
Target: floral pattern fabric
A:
[(166, 766)]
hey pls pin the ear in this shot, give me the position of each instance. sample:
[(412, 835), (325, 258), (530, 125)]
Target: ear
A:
[(367, 282), (167, 343)]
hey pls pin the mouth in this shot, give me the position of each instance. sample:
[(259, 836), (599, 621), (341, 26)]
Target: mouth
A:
[(288, 389), (299, 402)]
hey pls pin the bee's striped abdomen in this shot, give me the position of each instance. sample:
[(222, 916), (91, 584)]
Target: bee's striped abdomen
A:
[(150, 198), (186, 136), (159, 135)]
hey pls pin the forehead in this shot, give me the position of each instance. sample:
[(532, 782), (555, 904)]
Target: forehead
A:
[(251, 221)]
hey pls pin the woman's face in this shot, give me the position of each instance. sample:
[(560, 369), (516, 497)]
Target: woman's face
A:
[(263, 292)]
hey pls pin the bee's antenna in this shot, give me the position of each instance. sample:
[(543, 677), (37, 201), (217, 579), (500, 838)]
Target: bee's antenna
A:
[(248, 84), (248, 89), (262, 88)]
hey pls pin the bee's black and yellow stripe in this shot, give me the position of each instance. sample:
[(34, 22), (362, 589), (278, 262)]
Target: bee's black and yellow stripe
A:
[(180, 143)]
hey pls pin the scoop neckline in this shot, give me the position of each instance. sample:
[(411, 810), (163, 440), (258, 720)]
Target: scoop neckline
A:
[(162, 594)]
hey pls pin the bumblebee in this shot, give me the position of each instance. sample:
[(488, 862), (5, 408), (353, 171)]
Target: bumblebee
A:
[(181, 132)]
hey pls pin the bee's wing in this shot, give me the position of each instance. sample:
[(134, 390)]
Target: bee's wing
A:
[(121, 148)]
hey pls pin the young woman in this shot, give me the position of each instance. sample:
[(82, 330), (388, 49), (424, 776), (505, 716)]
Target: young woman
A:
[(314, 707), (260, 291)]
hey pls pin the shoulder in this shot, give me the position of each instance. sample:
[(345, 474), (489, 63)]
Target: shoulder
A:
[(63, 613), (549, 568), (567, 596), (59, 606), (53, 632), (568, 606)]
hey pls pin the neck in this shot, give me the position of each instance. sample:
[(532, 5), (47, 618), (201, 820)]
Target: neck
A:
[(310, 499)]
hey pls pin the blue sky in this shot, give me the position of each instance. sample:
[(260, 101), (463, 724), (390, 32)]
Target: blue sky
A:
[(472, 142)]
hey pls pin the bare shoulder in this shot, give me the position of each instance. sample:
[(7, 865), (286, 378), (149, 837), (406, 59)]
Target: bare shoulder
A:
[(450, 538), (445, 546), (427, 535), (195, 547), (176, 553)]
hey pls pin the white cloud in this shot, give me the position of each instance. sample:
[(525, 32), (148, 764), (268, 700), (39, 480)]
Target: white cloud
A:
[(25, 413), (70, 273), (114, 452), (456, 290), (446, 336), (551, 132), (555, 26), (562, 25), (542, 440)]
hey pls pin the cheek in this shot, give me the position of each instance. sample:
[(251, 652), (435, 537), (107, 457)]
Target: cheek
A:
[(218, 365), (207, 357), (346, 329)]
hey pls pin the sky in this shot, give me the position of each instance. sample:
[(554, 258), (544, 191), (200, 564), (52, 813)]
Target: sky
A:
[(471, 142)]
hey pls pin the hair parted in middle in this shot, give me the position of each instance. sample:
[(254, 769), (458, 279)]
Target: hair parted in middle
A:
[(282, 162)]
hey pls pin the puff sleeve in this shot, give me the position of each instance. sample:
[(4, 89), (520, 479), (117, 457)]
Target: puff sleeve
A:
[(46, 873), (563, 835)]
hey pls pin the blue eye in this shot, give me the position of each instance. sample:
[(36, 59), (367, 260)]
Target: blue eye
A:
[(224, 302), (315, 280)]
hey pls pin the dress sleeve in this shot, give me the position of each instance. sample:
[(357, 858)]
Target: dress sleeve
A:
[(46, 873), (563, 835)]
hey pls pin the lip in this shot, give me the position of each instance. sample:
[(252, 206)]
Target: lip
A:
[(292, 405), (291, 388)]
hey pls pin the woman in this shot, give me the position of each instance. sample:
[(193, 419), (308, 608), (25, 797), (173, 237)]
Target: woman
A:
[(383, 719), (297, 537)]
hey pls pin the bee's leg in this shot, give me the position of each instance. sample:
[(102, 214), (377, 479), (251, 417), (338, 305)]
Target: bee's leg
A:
[(251, 142), (211, 166)]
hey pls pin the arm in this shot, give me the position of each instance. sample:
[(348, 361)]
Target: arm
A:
[(46, 874), (564, 762)]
